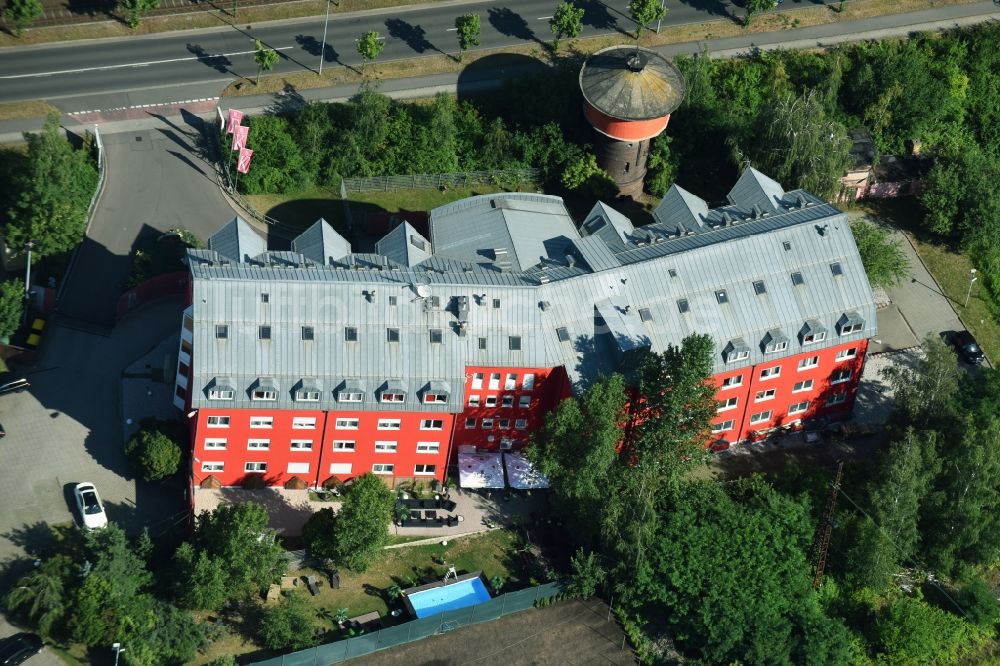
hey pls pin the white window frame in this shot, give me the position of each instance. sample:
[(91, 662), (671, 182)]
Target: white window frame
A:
[(341, 468), (848, 329), (808, 363), (760, 417), (297, 468), (491, 401), (213, 466), (220, 421), (507, 400), (385, 446), (307, 396), (798, 407), (477, 380), (304, 423), (802, 386), (510, 382), (429, 448), (776, 347), (422, 469), (737, 355), (487, 424), (836, 399), (770, 373), (494, 381), (345, 445), (301, 445), (392, 397), (221, 394), (813, 338), (841, 377), (727, 404), (258, 445), (474, 401), (471, 423), (390, 424), (504, 424), (347, 424), (428, 424), (215, 444), (255, 467), (350, 396), (520, 424), (732, 382), (261, 422), (528, 381), (847, 354), (263, 395), (725, 426), (435, 398), (524, 402), (765, 395), (386, 469)]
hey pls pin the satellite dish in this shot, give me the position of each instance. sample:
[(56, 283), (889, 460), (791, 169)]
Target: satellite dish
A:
[(423, 290)]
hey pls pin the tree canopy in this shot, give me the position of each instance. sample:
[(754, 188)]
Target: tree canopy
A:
[(239, 537), (567, 21), (154, 451), (884, 260), (467, 27)]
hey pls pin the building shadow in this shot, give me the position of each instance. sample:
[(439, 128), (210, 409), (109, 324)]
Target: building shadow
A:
[(490, 73)]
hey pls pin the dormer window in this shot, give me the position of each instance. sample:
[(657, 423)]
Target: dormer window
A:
[(308, 391), (393, 391), (774, 342), (736, 350), (264, 394), (351, 390), (850, 322), (812, 332), (436, 393), (222, 389)]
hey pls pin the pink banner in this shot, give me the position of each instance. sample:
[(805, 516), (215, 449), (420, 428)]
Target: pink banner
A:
[(235, 118), (243, 164), (240, 137)]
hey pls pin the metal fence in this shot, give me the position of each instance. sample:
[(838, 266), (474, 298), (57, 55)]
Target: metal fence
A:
[(419, 181), (415, 630)]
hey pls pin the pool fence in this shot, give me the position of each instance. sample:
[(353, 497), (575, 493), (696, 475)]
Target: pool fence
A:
[(415, 630)]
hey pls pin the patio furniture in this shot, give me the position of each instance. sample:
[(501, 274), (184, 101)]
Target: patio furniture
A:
[(440, 520), (430, 515), (452, 521), (415, 515), (448, 505)]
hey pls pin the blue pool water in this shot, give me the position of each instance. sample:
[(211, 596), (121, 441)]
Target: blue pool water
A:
[(448, 597)]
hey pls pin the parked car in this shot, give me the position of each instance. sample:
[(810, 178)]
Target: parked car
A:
[(17, 648), (89, 503), (967, 347)]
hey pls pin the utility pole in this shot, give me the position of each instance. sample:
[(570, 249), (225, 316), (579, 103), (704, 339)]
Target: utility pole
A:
[(968, 294), (322, 51), (821, 544), (27, 280)]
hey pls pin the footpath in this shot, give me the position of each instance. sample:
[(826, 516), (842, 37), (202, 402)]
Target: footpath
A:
[(821, 36)]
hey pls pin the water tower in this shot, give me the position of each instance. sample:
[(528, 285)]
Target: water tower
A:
[(628, 95)]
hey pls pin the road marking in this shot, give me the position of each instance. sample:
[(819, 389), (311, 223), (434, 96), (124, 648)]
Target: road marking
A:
[(450, 29), (544, 18), (144, 106), (135, 64)]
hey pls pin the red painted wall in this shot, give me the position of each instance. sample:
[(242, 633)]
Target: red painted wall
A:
[(549, 387), (818, 395), (625, 130)]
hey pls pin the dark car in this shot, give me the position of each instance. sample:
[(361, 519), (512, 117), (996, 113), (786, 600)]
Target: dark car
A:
[(17, 648), (968, 347)]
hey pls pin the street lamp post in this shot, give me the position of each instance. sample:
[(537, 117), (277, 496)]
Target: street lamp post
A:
[(322, 51), (117, 647), (660, 20), (27, 280), (972, 278)]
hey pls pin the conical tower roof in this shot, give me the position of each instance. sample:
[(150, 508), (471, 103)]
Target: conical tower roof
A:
[(631, 83)]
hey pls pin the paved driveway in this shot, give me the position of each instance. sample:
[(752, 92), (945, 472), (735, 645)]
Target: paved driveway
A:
[(157, 180)]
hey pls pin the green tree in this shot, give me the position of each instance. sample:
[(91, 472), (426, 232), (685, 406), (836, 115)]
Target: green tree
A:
[(265, 57), (926, 393), (11, 306), (153, 452), (200, 581), (467, 26), (41, 596), (362, 527), (872, 558), (644, 12), (278, 167), (662, 166), (883, 258), (370, 47), (567, 21), (798, 144), (911, 631), (157, 633), (54, 192), (576, 448), (586, 574), (754, 7), (320, 534), (288, 625), (133, 10), (22, 13), (238, 536), (584, 175)]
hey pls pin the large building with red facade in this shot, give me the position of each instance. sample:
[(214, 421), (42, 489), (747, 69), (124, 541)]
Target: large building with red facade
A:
[(318, 362)]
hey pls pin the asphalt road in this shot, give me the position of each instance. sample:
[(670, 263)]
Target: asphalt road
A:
[(66, 71)]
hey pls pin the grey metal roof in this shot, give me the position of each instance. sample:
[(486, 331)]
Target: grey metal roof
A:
[(237, 241), (755, 189), (404, 245), (321, 243), (371, 294), (631, 83), (608, 224), (680, 209)]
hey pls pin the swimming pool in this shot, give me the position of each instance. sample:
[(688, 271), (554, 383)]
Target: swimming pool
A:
[(427, 600)]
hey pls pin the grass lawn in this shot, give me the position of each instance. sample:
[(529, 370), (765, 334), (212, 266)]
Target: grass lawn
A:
[(362, 593), (949, 267)]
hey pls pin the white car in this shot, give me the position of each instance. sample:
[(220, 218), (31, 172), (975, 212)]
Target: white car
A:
[(91, 509)]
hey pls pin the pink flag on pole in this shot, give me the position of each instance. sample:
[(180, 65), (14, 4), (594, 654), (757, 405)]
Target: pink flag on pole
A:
[(235, 118), (243, 163), (240, 137)]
